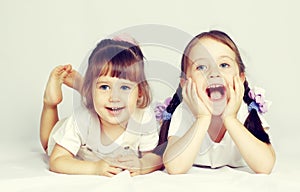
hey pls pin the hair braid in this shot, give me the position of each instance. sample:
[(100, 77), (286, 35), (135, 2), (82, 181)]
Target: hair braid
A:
[(164, 129), (253, 122)]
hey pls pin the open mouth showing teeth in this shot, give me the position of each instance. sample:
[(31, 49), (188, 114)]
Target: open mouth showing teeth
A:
[(114, 109), (216, 91)]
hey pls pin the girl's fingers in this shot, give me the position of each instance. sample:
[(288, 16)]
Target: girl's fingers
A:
[(191, 92), (135, 173), (114, 170), (239, 87), (231, 91), (108, 174), (186, 91), (205, 100)]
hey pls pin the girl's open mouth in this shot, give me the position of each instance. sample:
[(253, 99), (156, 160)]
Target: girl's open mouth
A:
[(216, 92), (115, 110)]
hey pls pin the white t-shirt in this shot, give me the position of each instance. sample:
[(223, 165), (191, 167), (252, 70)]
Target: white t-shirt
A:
[(211, 154), (80, 134)]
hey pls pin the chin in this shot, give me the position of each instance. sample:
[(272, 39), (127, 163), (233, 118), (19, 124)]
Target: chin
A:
[(217, 112)]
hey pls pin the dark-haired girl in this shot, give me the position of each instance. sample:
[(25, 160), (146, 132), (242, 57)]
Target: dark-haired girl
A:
[(216, 118)]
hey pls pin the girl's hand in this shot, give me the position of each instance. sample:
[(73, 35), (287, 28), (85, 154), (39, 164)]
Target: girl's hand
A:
[(106, 169), (236, 92), (131, 162), (198, 104)]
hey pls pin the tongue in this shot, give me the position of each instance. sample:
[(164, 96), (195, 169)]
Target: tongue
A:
[(215, 95)]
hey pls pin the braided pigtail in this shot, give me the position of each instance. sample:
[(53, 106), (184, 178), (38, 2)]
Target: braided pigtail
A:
[(164, 129), (253, 122)]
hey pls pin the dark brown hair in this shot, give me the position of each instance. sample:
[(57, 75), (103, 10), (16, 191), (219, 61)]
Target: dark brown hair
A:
[(252, 123)]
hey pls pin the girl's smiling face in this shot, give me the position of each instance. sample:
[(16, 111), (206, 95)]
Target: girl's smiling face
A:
[(115, 99), (212, 66)]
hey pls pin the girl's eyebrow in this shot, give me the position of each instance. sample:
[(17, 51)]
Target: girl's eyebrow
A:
[(101, 81), (207, 59), (129, 83), (121, 82), (200, 59), (225, 57)]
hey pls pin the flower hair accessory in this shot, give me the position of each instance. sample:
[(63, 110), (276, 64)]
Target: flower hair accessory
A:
[(125, 37), (259, 103), (161, 110)]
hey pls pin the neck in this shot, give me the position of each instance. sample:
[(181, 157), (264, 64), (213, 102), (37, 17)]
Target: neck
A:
[(216, 129), (110, 132)]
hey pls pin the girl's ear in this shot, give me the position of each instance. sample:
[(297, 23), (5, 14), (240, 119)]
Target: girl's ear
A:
[(243, 77), (182, 81)]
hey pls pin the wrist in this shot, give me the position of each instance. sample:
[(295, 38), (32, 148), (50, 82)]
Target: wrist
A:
[(203, 117), (229, 120)]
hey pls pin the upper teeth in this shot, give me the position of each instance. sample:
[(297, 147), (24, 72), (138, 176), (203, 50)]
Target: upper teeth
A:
[(215, 86)]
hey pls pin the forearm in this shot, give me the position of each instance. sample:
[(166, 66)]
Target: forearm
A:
[(49, 117), (181, 153), (150, 162), (259, 156), (70, 165)]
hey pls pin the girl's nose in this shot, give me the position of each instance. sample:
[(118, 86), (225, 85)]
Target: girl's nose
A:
[(114, 95), (214, 73)]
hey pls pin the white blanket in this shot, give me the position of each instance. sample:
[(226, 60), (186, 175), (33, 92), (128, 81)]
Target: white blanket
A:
[(25, 168)]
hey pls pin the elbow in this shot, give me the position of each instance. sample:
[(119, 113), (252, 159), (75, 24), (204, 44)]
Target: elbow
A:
[(53, 164), (266, 167), (44, 143), (175, 169), (265, 170)]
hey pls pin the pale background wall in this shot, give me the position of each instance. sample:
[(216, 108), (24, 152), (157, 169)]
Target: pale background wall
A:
[(37, 35)]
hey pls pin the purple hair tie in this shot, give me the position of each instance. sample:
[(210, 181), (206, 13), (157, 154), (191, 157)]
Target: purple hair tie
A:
[(161, 110), (166, 115), (253, 105), (258, 103)]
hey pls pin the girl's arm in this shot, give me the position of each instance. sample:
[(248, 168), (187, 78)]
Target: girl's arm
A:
[(181, 152), (148, 163), (259, 156), (49, 118), (62, 161), (53, 96)]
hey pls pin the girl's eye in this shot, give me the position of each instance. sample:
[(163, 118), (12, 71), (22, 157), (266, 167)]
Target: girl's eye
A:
[(201, 67), (224, 65), (125, 87), (104, 87)]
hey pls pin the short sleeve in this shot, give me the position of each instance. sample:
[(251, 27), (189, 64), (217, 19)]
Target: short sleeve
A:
[(66, 134), (149, 141), (182, 120), (150, 134)]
